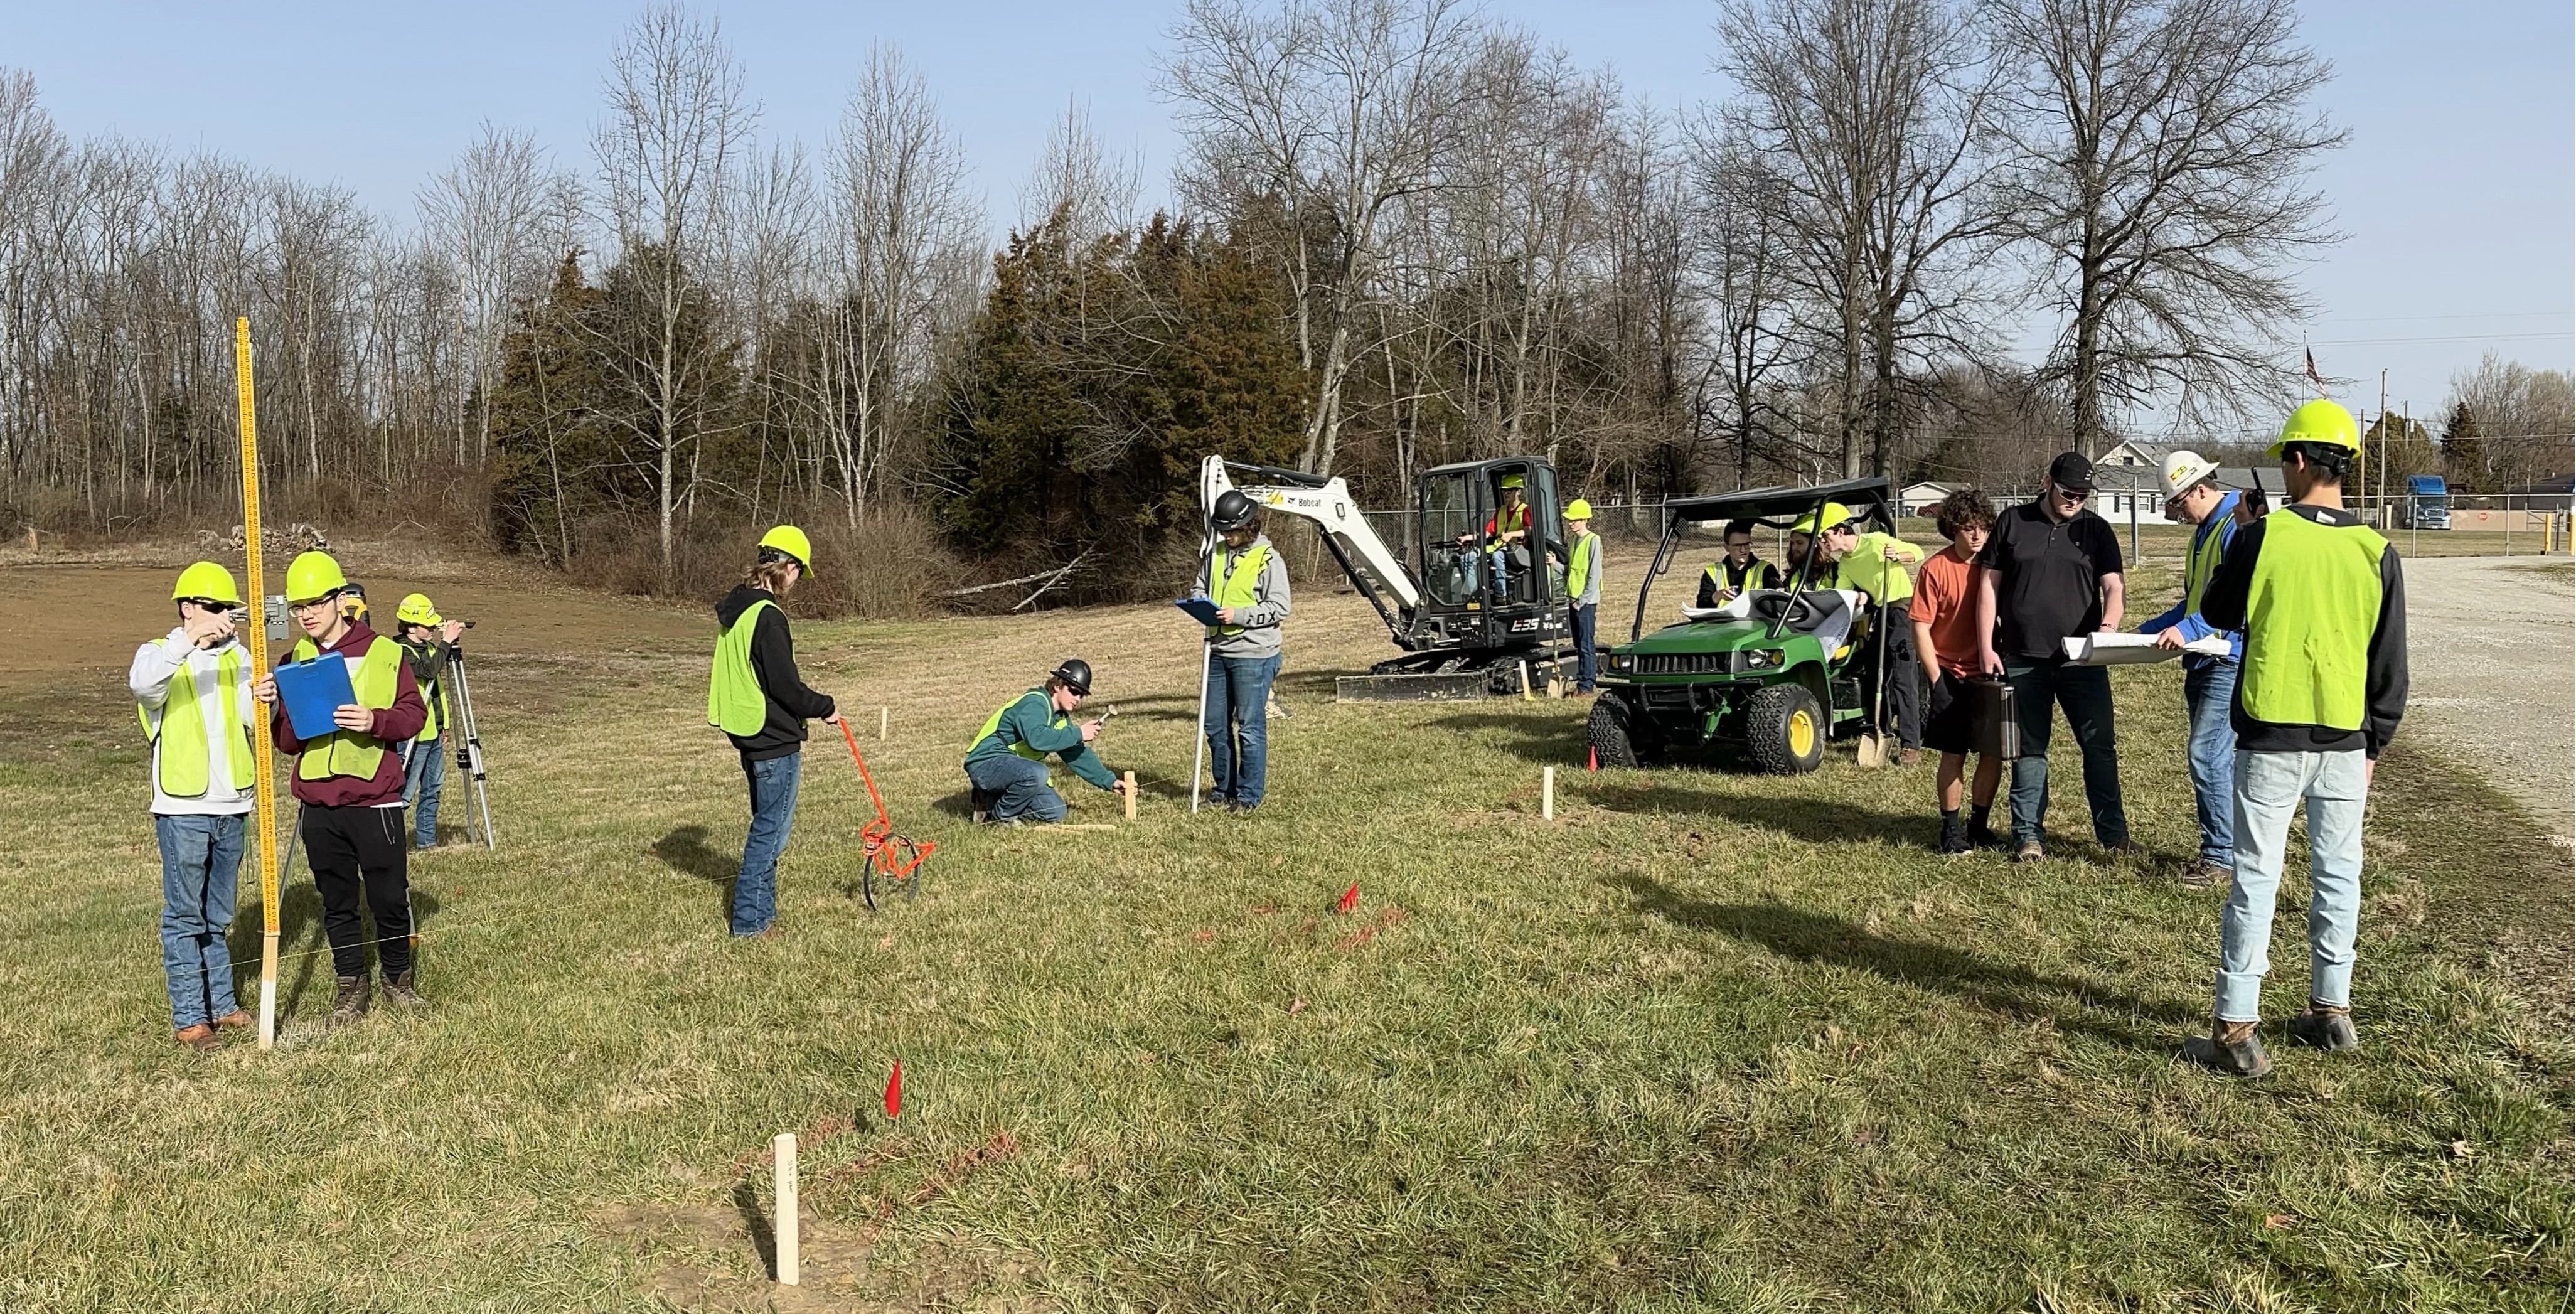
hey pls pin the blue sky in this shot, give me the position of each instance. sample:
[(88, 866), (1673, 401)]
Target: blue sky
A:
[(2458, 189)]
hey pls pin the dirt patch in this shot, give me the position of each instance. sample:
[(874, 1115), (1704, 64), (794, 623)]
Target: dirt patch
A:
[(716, 1258)]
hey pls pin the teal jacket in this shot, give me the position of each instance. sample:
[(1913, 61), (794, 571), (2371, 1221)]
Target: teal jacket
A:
[(1033, 721)]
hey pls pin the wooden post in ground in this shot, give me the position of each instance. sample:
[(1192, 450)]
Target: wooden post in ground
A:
[(882, 714), (1129, 778), (1523, 668), (1547, 793), (783, 1191)]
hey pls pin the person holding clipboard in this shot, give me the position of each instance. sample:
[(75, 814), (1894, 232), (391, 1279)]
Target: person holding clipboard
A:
[(349, 779), (1244, 585)]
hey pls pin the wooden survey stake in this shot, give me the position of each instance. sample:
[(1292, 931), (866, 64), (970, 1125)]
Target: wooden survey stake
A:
[(1547, 793), (782, 1153), (1130, 780), (265, 790)]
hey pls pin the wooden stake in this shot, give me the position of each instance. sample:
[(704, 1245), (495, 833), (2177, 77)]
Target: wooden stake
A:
[(1130, 780), (882, 714), (265, 784), (1072, 825), (1547, 793), (783, 1190), (1523, 667)]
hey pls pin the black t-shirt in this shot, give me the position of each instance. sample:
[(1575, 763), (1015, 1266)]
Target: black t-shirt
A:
[(2047, 578)]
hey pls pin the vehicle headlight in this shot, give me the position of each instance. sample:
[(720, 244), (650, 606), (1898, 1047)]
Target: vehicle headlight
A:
[(1620, 661), (1763, 659)]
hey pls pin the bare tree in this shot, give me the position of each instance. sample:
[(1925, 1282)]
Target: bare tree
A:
[(1094, 187), (2161, 155), (488, 213), (1331, 111), (678, 121), (1741, 217)]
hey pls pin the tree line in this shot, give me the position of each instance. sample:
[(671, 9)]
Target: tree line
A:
[(1400, 233)]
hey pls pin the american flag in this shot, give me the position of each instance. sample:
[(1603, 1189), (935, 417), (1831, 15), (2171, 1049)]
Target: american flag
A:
[(2313, 376)]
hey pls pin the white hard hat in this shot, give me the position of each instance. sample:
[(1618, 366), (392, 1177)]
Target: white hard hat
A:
[(2183, 468)]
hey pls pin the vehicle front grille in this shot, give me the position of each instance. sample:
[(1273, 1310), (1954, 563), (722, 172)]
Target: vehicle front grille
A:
[(1682, 663)]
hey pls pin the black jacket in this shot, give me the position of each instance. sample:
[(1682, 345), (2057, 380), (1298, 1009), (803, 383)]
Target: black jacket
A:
[(773, 662), (2223, 606)]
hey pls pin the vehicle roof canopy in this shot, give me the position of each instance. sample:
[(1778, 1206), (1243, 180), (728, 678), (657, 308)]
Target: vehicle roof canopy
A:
[(1464, 467), (1785, 503)]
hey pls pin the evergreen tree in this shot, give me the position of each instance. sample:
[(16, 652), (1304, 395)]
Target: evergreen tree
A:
[(2464, 452)]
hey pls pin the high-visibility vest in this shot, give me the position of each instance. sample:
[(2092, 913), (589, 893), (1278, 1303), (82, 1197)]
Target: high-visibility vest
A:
[(374, 680), (1867, 569), (2205, 552), (429, 699), (1578, 571), (1506, 520), (184, 757), (993, 727), (2310, 609), (1234, 581), (735, 700), (1722, 574)]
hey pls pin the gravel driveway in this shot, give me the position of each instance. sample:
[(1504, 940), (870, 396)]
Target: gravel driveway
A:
[(2492, 645)]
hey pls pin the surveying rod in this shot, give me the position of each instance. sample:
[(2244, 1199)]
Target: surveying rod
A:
[(261, 749)]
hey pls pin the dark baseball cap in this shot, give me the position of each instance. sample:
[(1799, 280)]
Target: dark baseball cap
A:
[(2071, 472)]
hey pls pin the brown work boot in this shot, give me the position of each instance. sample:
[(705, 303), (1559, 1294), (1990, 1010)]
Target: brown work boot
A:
[(349, 1000), (399, 993), (2326, 1027), (200, 1038), (233, 1021), (1909, 757), (2203, 874), (2231, 1048)]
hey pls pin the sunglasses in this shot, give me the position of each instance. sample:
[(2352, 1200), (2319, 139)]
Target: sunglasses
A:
[(2072, 494), (317, 604)]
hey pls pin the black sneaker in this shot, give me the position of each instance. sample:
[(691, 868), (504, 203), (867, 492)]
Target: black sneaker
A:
[(1954, 838), (983, 804), (2332, 1032), (1983, 836), (2244, 1058)]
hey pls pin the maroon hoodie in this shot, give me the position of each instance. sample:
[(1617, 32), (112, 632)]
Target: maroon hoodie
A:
[(393, 725)]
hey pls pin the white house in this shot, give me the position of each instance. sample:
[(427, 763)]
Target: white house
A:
[(2120, 486), (2130, 451), (1920, 497)]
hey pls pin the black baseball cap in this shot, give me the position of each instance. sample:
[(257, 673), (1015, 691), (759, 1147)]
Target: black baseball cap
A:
[(2071, 472)]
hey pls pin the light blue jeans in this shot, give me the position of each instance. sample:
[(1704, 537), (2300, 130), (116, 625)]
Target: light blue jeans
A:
[(2209, 693), (423, 771), (773, 806), (200, 876), (2269, 789), (1238, 726), (1022, 786)]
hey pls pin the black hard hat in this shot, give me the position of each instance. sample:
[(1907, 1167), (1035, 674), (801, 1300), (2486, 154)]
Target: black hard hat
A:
[(1233, 510), (1076, 674)]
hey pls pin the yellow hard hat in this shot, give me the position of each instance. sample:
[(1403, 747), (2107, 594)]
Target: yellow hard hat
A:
[(207, 582), (415, 610), (1578, 509), (1512, 481), (313, 575), (1835, 514), (2319, 421), (791, 541)]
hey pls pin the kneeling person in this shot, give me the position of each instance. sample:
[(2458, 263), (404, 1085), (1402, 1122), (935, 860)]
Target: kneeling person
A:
[(1007, 762)]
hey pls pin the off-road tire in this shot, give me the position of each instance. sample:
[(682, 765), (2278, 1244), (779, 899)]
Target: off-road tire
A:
[(1607, 728), (1772, 730)]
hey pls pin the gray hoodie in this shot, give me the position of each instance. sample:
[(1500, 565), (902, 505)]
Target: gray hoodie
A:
[(1260, 636)]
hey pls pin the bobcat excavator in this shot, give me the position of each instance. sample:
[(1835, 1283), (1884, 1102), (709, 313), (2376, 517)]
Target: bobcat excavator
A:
[(1475, 613)]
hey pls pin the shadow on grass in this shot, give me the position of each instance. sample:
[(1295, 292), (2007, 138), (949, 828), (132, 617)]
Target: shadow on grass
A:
[(1812, 820), (2069, 1003), (685, 849)]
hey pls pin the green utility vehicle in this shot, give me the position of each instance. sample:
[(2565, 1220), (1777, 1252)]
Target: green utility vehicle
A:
[(1768, 670)]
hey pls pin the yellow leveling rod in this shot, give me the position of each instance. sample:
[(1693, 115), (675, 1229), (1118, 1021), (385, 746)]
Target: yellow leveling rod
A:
[(260, 745)]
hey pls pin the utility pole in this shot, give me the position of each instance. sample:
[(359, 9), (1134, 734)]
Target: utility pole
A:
[(2383, 447)]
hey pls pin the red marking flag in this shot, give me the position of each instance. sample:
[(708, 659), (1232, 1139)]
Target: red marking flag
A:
[(894, 1091), (1350, 899)]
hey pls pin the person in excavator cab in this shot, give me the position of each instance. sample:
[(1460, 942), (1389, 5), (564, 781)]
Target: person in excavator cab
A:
[(1506, 531)]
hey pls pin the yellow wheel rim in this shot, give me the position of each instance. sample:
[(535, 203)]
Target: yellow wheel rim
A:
[(1802, 733)]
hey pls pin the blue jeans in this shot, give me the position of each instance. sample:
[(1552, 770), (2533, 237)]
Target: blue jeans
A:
[(1584, 617), (200, 875), (2085, 693), (2209, 691), (2269, 788), (423, 772), (773, 805), (1238, 725), (1021, 785)]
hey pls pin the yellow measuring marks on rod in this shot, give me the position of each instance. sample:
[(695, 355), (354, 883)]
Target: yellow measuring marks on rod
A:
[(260, 744)]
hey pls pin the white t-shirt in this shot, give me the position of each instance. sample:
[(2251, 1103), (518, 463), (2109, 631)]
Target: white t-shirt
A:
[(155, 665)]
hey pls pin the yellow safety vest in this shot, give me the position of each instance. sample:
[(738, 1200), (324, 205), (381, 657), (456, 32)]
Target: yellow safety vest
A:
[(735, 700), (184, 758), (2203, 567), (1578, 572), (374, 680), (993, 726), (1234, 581), (2310, 609)]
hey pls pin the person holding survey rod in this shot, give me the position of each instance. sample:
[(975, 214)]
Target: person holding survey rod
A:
[(1242, 596)]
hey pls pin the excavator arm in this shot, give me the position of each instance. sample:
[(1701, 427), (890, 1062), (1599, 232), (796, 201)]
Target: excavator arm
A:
[(1376, 572)]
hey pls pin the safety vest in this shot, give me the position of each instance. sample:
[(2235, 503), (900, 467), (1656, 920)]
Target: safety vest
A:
[(1506, 520), (1722, 574), (374, 679), (429, 699), (1578, 572), (1233, 581), (993, 726), (735, 700), (184, 757), (1867, 569), (2310, 609), (2203, 567)]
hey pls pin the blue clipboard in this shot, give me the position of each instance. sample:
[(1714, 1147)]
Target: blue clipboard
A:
[(1202, 610), (312, 691)]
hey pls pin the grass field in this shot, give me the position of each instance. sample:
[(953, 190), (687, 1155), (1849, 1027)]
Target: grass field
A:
[(1708, 1041)]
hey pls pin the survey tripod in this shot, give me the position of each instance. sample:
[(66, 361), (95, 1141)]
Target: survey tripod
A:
[(469, 739)]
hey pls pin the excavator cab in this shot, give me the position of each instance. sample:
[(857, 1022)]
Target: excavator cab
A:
[(1487, 531)]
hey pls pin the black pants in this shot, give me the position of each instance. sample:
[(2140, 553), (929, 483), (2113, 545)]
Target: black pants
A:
[(354, 851), (1904, 675)]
